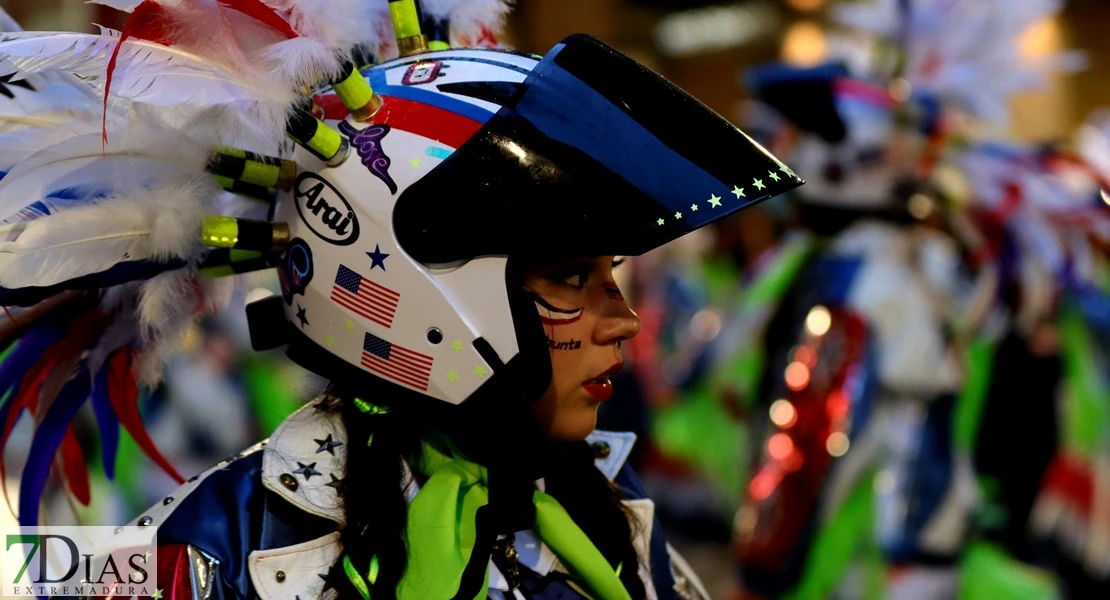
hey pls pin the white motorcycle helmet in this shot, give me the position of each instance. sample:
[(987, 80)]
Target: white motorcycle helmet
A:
[(400, 267)]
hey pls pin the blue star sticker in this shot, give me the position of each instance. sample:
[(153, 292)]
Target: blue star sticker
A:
[(377, 258), (302, 316)]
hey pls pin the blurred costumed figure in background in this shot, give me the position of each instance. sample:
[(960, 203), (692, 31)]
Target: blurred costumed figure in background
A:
[(868, 434)]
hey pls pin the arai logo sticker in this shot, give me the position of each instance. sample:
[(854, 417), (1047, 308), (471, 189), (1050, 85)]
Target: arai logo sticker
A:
[(326, 212)]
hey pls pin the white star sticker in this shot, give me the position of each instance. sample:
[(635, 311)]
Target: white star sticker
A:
[(738, 192), (694, 207), (714, 201), (774, 175), (759, 184), (678, 215)]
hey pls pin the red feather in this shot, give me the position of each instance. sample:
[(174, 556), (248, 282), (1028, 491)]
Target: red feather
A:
[(74, 469), (258, 11), (124, 396), (27, 393)]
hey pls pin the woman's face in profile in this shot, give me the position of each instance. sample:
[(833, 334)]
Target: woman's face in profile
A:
[(585, 318)]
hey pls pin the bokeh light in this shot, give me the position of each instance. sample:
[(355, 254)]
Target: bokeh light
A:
[(783, 413), (837, 444), (780, 446), (797, 376), (818, 321), (804, 44)]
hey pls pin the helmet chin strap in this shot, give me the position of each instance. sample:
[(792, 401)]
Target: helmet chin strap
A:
[(500, 431), (514, 452)]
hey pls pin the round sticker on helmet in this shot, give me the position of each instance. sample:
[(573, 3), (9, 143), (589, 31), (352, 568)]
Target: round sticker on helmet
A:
[(326, 212)]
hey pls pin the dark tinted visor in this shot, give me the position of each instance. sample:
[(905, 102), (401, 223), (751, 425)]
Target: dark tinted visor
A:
[(593, 154)]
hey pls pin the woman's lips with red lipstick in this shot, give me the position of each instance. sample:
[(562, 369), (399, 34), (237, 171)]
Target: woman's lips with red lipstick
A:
[(600, 388)]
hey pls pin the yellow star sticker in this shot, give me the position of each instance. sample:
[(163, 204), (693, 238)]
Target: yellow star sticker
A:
[(415, 162), (452, 375), (677, 215), (661, 221), (715, 201), (457, 346), (759, 184), (738, 192), (480, 371), (329, 341), (157, 595), (774, 175), (349, 324), (694, 208), (786, 169)]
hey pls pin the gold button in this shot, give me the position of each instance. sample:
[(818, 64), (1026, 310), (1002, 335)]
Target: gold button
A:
[(602, 450), (289, 481), (280, 576)]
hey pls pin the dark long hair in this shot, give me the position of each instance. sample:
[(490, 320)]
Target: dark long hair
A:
[(376, 510)]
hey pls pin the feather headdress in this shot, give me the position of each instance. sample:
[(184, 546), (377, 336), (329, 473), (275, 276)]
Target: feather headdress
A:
[(102, 257), (965, 52)]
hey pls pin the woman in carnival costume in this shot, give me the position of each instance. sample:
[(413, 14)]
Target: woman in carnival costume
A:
[(444, 233), (856, 361)]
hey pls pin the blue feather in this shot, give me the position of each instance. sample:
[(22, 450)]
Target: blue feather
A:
[(106, 422), (48, 438), (28, 351)]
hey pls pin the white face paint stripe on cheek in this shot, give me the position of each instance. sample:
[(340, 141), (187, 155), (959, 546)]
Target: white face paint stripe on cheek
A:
[(552, 315)]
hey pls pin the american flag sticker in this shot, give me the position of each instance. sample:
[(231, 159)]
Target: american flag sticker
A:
[(366, 298), (396, 363)]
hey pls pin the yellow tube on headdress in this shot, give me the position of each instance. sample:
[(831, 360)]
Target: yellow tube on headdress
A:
[(406, 26), (357, 95), (244, 234)]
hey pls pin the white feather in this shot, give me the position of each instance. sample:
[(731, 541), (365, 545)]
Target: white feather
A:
[(16, 146), (92, 239), (81, 162), (167, 309), (145, 72), (7, 23), (471, 18)]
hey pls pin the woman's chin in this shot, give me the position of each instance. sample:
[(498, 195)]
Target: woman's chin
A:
[(574, 427)]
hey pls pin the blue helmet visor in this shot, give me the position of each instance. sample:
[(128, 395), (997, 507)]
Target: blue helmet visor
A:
[(592, 155)]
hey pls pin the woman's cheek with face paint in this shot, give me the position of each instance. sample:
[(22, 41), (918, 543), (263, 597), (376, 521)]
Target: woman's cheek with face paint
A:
[(566, 411), (561, 326)]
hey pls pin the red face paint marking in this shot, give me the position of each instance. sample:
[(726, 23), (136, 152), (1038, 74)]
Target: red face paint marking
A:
[(553, 315)]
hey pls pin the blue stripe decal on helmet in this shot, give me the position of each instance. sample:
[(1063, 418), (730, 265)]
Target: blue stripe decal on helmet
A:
[(556, 97)]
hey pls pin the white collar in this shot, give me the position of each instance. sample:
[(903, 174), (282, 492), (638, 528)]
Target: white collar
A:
[(306, 456)]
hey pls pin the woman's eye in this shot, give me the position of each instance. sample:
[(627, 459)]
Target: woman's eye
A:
[(575, 277), (576, 280)]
